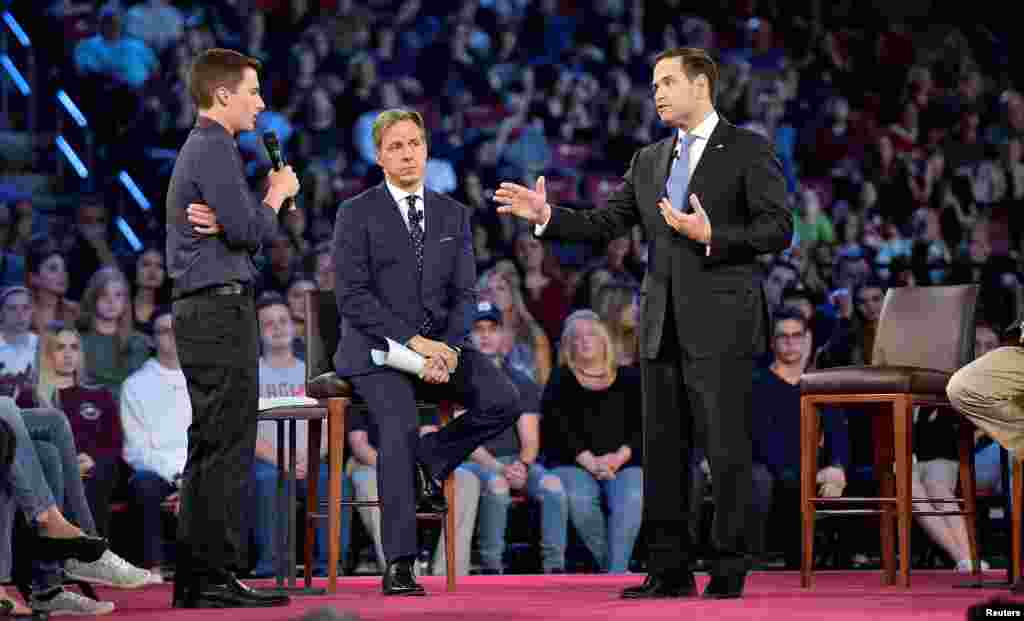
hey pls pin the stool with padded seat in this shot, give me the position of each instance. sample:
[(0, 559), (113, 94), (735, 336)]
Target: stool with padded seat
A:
[(924, 335)]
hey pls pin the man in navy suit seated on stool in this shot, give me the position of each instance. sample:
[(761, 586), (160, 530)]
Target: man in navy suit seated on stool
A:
[(405, 271)]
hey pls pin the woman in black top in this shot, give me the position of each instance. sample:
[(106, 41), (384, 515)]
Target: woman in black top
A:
[(592, 438)]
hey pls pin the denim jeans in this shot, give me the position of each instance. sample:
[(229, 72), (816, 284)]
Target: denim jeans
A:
[(267, 512), (31, 490), (611, 542), (543, 487)]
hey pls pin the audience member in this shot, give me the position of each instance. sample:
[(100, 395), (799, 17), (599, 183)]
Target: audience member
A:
[(282, 374), (509, 464), (46, 275), (150, 288), (155, 415), (527, 348), (593, 442), (112, 348)]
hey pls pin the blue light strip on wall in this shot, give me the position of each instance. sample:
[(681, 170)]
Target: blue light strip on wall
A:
[(73, 111), (136, 193), (129, 234), (72, 157), (19, 32), (12, 71)]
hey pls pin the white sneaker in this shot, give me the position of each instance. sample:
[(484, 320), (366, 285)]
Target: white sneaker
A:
[(155, 577), (108, 570), (965, 566), (70, 603)]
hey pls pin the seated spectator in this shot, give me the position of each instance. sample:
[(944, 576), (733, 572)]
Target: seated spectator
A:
[(155, 415), (112, 56), (277, 271), (527, 348), (853, 339), (811, 224), (508, 463), (775, 420), (157, 23), (18, 345), (151, 288), (92, 413), (546, 298), (593, 440), (91, 244), (618, 306), (301, 284), (112, 348), (320, 263), (24, 487), (937, 470), (46, 275), (617, 263), (282, 374)]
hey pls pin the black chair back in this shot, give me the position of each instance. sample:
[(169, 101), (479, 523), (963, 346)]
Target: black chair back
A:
[(323, 331)]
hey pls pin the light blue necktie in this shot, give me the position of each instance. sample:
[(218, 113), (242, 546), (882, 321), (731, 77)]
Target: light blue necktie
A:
[(679, 177)]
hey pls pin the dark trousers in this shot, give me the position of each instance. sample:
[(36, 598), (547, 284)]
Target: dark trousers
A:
[(218, 345), (149, 490), (108, 476), (491, 402), (691, 403)]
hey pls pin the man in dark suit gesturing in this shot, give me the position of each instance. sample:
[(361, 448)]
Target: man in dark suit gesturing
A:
[(711, 197), (405, 271)]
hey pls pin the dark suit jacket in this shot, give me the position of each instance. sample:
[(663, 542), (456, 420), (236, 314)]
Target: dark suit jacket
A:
[(375, 265), (718, 301)]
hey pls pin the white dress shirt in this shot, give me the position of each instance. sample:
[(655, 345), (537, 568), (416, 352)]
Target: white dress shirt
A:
[(401, 196)]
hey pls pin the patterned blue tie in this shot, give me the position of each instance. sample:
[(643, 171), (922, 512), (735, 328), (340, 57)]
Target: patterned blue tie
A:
[(417, 236), (679, 177)]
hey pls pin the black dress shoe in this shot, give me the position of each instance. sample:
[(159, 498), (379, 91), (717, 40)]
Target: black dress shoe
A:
[(85, 548), (725, 586), (400, 580), (225, 592), (429, 492), (663, 584)]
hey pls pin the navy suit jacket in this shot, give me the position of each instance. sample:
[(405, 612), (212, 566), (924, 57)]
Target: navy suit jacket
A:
[(376, 286), (716, 298)]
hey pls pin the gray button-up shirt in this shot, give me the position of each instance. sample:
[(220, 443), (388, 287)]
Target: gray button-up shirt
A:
[(209, 170)]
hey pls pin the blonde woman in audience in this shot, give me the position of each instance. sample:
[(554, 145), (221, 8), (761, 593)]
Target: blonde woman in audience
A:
[(618, 308), (529, 349), (46, 275), (593, 440), (112, 348)]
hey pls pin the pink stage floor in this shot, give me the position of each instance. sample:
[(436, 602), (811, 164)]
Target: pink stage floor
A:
[(769, 595)]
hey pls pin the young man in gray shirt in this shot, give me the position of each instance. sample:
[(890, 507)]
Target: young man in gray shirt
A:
[(214, 225)]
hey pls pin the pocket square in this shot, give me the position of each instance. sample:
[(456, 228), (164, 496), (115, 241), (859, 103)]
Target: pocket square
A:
[(719, 146), (446, 239)]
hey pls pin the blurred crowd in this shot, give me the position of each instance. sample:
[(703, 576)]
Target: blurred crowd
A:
[(901, 146)]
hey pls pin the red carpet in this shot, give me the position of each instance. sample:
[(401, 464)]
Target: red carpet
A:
[(836, 596)]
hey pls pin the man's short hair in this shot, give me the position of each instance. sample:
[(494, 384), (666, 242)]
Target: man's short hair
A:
[(268, 299), (794, 292), (695, 61), (216, 68), (787, 313), (388, 118)]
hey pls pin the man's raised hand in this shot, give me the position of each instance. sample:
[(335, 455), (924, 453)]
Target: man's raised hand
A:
[(522, 202)]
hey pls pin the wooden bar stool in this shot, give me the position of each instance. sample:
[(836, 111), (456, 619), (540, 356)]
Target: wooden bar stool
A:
[(924, 335)]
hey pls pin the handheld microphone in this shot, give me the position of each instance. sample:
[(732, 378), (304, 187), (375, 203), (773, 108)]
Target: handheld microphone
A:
[(273, 148)]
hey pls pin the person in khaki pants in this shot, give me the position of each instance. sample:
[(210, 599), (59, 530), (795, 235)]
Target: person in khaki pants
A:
[(990, 392)]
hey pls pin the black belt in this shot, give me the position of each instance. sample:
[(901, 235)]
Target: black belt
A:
[(231, 288)]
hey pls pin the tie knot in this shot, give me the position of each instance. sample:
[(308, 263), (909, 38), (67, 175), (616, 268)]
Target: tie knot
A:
[(688, 140), (414, 213)]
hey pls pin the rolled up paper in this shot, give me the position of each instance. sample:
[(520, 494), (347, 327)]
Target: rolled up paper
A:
[(399, 357)]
